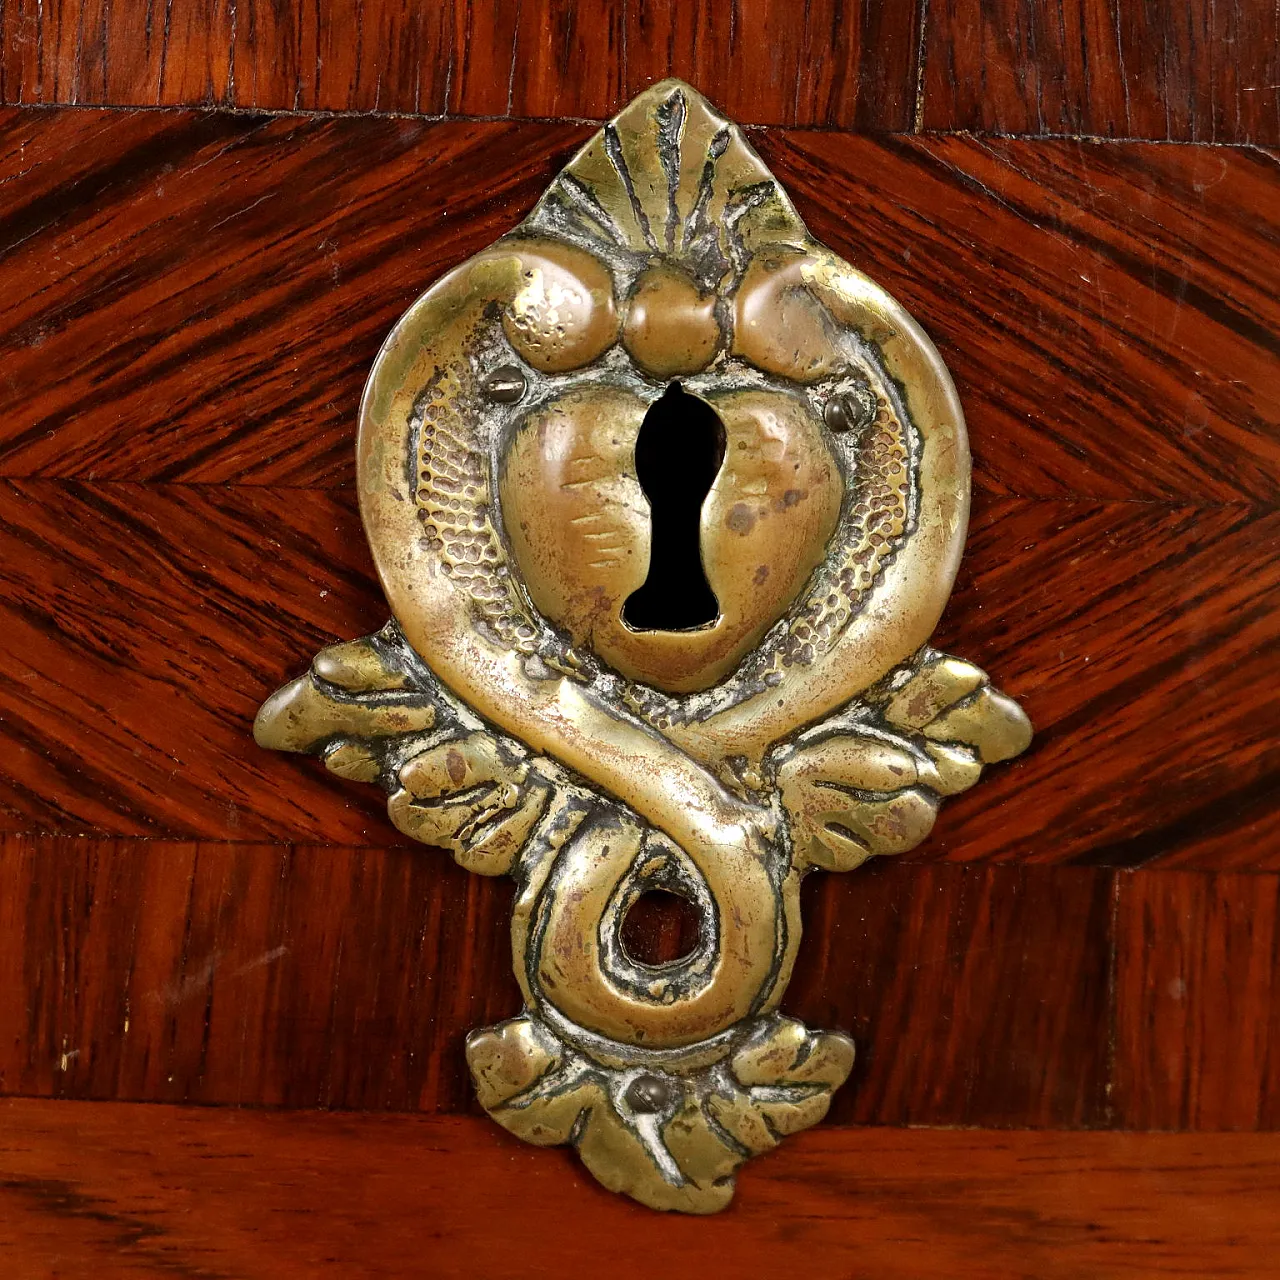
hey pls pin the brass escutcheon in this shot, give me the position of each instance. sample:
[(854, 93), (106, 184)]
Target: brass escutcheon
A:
[(548, 705)]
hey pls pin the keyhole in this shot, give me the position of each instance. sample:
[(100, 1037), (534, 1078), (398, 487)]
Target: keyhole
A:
[(678, 453)]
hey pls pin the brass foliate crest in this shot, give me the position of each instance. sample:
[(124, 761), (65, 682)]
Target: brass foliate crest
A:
[(529, 709)]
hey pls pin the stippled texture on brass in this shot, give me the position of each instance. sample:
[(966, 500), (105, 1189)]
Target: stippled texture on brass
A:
[(517, 719)]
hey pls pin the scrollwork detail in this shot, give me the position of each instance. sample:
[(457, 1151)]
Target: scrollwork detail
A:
[(515, 719)]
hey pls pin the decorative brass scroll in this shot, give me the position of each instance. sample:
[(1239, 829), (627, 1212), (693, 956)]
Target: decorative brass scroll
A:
[(517, 719)]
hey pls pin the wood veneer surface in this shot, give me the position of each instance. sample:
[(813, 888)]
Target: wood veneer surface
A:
[(113, 1190), (191, 301), (1198, 70)]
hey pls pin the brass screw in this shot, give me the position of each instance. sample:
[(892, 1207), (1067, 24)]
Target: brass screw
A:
[(851, 410), (647, 1094), (505, 385)]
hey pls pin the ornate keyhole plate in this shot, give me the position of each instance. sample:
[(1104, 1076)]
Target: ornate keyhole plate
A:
[(517, 719)]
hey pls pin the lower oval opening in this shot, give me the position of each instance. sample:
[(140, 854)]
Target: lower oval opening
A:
[(661, 928)]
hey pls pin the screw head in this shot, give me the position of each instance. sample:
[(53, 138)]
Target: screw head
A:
[(505, 385), (647, 1094), (851, 410)]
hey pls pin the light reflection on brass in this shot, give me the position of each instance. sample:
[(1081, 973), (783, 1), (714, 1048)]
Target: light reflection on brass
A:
[(518, 721)]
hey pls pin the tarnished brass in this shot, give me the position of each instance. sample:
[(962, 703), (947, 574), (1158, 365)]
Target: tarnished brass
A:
[(517, 719)]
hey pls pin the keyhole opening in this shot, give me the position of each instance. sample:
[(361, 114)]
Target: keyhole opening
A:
[(678, 453), (661, 928)]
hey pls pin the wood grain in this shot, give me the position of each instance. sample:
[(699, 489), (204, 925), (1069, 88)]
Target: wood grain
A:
[(172, 254), (326, 977), (142, 625), (375, 55), (538, 58), (247, 974), (975, 995), (138, 650), (1109, 312), (112, 1190), (1200, 71), (1197, 70), (1198, 1001), (312, 976), (162, 271), (1142, 638), (846, 65), (114, 51)]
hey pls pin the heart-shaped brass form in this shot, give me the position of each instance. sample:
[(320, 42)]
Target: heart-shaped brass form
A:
[(579, 525), (520, 713)]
